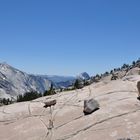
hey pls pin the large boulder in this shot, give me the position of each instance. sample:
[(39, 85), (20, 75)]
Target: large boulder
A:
[(138, 86), (90, 106), (50, 103)]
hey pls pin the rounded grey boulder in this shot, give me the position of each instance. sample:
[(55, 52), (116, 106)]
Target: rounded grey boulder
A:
[(90, 106), (50, 103), (138, 86)]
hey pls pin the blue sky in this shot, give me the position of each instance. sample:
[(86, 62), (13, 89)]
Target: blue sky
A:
[(66, 37)]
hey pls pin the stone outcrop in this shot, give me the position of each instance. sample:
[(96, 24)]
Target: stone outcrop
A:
[(50, 103), (90, 106), (138, 87), (118, 116)]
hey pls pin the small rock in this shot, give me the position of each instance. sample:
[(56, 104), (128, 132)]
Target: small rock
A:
[(51, 126), (90, 106), (50, 103)]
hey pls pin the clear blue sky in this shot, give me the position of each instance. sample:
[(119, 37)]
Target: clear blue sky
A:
[(66, 37)]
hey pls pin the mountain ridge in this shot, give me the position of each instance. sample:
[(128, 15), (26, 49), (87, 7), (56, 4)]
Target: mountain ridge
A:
[(14, 82)]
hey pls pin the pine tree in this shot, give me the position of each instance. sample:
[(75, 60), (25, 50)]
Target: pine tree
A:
[(45, 93), (28, 96), (76, 84)]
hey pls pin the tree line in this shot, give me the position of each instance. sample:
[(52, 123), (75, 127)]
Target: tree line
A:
[(124, 67), (28, 96)]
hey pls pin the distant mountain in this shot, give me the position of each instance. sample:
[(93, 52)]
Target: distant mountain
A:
[(58, 79), (83, 76), (61, 81), (14, 82)]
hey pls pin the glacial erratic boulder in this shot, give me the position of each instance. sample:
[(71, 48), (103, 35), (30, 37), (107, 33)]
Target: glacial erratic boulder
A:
[(90, 106), (138, 85), (50, 103)]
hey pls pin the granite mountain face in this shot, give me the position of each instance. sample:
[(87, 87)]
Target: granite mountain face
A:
[(14, 82)]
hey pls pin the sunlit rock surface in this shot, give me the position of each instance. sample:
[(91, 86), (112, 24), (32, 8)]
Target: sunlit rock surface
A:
[(118, 117)]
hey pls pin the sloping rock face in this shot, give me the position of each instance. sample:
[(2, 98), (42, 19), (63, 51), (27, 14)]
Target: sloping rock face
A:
[(14, 82), (134, 71), (118, 117)]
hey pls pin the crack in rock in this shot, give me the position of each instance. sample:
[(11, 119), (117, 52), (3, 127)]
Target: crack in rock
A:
[(101, 129), (125, 91), (6, 122), (69, 122), (29, 109), (102, 121)]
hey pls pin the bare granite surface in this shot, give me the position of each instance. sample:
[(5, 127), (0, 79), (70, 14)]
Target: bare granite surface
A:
[(118, 116)]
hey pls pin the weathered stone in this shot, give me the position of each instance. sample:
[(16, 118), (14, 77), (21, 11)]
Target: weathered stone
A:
[(90, 106), (138, 86), (51, 126), (50, 103)]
